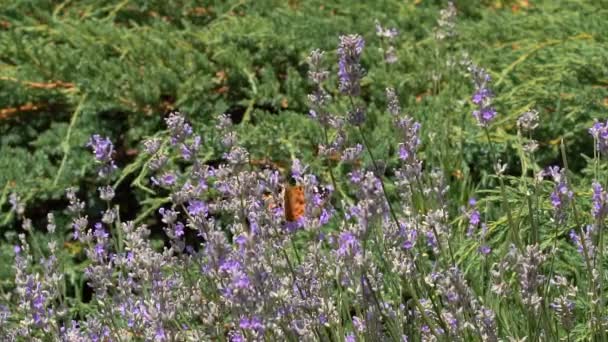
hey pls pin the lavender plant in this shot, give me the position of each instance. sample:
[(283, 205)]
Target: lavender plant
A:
[(388, 259)]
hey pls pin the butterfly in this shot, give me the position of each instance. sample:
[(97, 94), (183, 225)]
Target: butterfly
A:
[(294, 202)]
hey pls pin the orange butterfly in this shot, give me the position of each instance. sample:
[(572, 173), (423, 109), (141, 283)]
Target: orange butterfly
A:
[(295, 202)]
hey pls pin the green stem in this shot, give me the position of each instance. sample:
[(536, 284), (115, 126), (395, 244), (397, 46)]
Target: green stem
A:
[(65, 144), (503, 193)]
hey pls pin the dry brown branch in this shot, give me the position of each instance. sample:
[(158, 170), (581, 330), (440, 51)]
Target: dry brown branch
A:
[(41, 85), (5, 113)]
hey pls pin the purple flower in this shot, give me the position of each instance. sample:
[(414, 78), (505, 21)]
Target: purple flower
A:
[(324, 217), (152, 145), (106, 193), (485, 249), (102, 148), (473, 216), (356, 176), (178, 127), (410, 131), (104, 152), (348, 244), (393, 105), (5, 314), (484, 116), (384, 32), (179, 229), (600, 200), (188, 151), (16, 205), (352, 154), (528, 121), (99, 232), (359, 324), (446, 23), (587, 232), (317, 73), (253, 323), (599, 131), (237, 337), (168, 216), (561, 195), (167, 179), (159, 335), (356, 117), (196, 208), (482, 97), (390, 54), (319, 98), (410, 235), (350, 71), (297, 169)]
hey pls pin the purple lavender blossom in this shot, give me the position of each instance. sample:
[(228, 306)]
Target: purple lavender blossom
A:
[(350, 70), (356, 117), (588, 233), (352, 154), (253, 323), (564, 304), (392, 100), (104, 153), (410, 235), (319, 98), (348, 244), (152, 145), (485, 249), (482, 97), (197, 207), (561, 195), (179, 128), (179, 230), (5, 313), (106, 193), (167, 179), (600, 202), (189, 151), (473, 217), (528, 121), (384, 32), (16, 205), (599, 131), (410, 131), (446, 24), (388, 34), (317, 73)]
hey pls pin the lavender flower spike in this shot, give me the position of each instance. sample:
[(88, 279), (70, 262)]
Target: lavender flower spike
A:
[(350, 71), (482, 97), (104, 152), (600, 202), (599, 131)]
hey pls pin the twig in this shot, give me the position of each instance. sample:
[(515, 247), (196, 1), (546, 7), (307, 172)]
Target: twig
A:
[(65, 144)]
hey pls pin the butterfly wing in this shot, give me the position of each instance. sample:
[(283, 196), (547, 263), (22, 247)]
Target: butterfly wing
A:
[(295, 203)]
